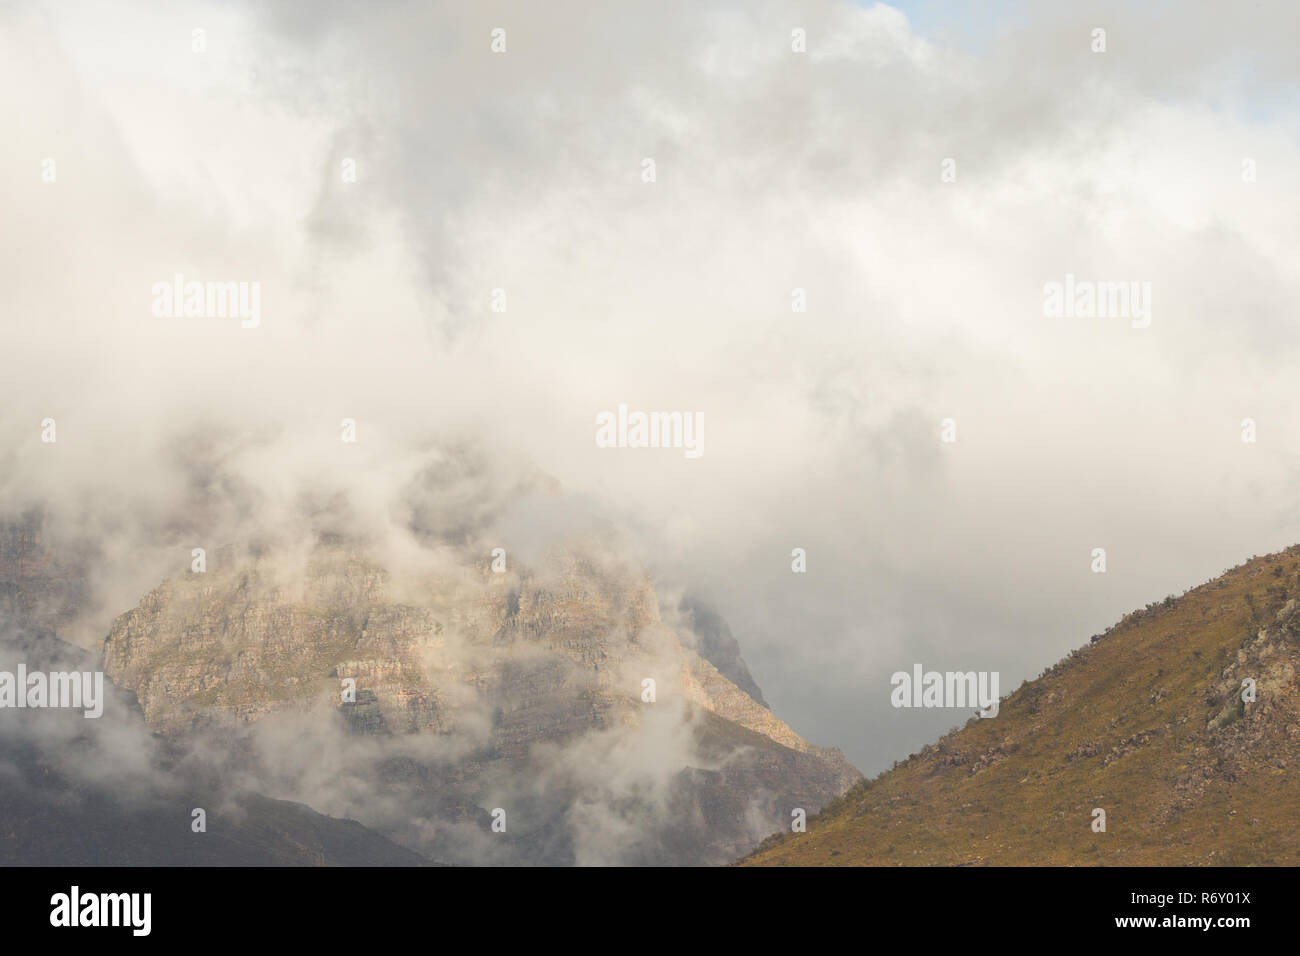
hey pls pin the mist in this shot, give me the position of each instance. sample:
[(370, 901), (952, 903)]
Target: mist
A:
[(774, 171)]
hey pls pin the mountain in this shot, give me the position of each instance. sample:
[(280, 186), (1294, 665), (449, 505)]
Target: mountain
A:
[(58, 822), (40, 585), (473, 691), (103, 792), (421, 702), (715, 643), (1147, 722)]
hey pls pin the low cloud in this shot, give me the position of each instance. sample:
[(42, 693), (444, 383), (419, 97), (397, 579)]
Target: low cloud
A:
[(775, 171)]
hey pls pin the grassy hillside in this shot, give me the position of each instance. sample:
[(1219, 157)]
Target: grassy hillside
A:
[(1145, 721)]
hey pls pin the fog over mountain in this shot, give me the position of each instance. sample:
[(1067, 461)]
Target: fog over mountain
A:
[(522, 171)]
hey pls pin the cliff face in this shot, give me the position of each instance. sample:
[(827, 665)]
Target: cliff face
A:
[(106, 792), (39, 586), (1152, 722), (529, 691), (714, 642)]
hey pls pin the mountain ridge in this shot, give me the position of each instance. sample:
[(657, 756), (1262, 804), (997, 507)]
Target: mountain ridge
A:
[(1145, 722)]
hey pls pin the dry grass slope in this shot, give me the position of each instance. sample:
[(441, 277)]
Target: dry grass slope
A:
[(1146, 721)]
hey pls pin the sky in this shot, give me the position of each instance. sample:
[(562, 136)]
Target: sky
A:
[(775, 169)]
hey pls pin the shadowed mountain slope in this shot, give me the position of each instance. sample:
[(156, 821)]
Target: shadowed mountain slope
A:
[(104, 792)]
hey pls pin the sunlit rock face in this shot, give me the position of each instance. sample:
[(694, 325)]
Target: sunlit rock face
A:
[(557, 695)]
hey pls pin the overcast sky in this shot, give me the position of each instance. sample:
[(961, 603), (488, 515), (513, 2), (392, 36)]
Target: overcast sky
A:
[(774, 170)]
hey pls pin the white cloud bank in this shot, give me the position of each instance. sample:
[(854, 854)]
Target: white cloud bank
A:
[(774, 171)]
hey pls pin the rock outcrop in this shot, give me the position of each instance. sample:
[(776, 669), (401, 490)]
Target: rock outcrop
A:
[(106, 792), (532, 688)]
